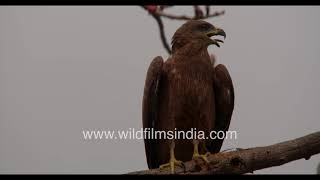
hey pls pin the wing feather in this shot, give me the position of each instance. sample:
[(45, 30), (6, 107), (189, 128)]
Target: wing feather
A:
[(150, 106), (224, 104)]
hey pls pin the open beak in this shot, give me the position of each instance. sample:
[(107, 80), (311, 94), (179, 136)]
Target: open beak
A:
[(216, 32)]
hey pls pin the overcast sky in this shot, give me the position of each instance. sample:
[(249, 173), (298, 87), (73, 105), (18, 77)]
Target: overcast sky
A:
[(68, 69)]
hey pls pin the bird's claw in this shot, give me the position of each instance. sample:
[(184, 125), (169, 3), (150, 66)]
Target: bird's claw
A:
[(172, 163), (201, 156)]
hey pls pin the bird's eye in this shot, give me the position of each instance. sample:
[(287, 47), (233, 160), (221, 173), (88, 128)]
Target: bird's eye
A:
[(204, 27)]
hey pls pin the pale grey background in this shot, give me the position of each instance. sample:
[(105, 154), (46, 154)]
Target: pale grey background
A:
[(65, 69)]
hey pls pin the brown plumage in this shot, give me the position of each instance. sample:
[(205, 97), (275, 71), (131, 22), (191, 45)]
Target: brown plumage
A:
[(185, 92)]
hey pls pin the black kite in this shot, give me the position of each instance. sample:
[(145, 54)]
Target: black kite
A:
[(185, 92)]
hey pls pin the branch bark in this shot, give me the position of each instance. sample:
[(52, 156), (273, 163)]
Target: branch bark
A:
[(248, 160)]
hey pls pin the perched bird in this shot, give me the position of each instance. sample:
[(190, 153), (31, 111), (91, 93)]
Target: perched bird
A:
[(184, 92)]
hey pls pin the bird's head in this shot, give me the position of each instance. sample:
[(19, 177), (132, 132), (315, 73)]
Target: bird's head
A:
[(198, 32)]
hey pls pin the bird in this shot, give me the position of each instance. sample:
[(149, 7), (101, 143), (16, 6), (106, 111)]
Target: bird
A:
[(187, 91)]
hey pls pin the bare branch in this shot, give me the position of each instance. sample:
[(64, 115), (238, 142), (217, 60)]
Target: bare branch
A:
[(185, 17), (248, 160), (162, 34), (161, 29), (215, 14), (207, 10), (172, 16), (198, 14), (162, 7)]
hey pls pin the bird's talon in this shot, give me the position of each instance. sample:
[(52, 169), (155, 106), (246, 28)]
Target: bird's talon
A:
[(201, 156), (172, 163)]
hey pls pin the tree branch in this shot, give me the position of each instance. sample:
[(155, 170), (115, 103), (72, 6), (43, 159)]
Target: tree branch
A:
[(185, 17), (161, 30), (162, 33), (248, 160)]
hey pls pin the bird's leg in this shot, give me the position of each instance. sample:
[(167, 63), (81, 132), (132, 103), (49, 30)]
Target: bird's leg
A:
[(196, 152), (172, 162)]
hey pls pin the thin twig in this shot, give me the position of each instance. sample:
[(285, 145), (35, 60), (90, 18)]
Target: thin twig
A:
[(162, 7), (161, 30), (162, 34), (198, 14), (207, 10), (185, 17)]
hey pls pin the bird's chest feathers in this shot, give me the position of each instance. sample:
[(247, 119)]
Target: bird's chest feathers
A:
[(191, 78)]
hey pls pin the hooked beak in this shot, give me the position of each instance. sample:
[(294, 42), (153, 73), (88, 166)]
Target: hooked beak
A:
[(216, 32)]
